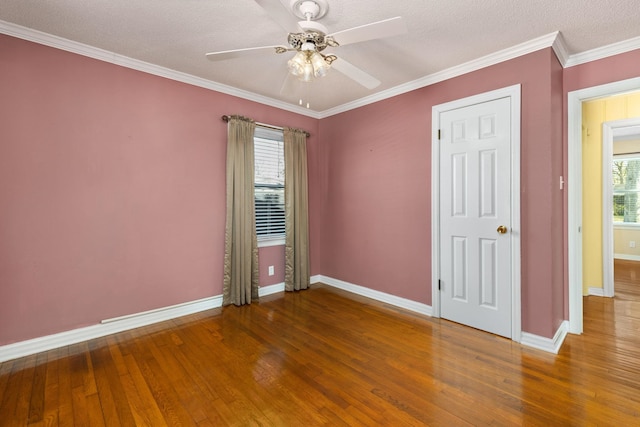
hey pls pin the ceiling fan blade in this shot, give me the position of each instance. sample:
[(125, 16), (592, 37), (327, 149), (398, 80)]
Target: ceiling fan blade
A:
[(355, 73), (277, 12), (237, 53), (376, 30)]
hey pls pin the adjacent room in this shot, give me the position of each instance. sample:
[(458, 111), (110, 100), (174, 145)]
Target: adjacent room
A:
[(318, 212)]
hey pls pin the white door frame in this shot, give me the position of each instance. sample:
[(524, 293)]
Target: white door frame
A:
[(512, 92), (574, 188), (610, 131)]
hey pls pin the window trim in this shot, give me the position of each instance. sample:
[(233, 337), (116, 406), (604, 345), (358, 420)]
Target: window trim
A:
[(271, 241), (626, 225)]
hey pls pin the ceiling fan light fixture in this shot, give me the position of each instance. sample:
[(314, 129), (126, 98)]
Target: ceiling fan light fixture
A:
[(310, 38)]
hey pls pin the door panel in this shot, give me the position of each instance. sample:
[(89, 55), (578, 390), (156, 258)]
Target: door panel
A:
[(488, 183), (488, 267), (459, 184), (459, 260), (475, 199)]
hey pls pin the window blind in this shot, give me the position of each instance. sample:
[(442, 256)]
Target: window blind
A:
[(269, 185)]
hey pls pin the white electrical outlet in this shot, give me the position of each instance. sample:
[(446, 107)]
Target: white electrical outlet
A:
[(632, 244), (271, 270)]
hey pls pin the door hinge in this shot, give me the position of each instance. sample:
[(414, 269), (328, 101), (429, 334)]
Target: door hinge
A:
[(438, 134)]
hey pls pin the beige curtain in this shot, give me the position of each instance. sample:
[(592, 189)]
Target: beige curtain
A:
[(297, 275), (240, 241)]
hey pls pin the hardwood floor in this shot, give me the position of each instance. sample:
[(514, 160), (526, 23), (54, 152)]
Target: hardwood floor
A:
[(326, 357)]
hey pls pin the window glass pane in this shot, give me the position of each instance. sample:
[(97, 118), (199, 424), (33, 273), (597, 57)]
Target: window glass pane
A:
[(618, 207), (626, 191)]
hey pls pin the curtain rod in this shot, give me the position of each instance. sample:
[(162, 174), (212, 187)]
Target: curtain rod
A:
[(226, 118)]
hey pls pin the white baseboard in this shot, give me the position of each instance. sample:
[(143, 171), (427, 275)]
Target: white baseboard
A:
[(551, 345), (271, 289), (117, 324), (627, 257), (598, 292), (123, 323), (106, 327), (376, 295)]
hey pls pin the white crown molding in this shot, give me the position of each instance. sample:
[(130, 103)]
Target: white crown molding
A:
[(396, 301), (551, 345), (468, 67), (553, 40), (560, 49), (603, 52), (134, 64)]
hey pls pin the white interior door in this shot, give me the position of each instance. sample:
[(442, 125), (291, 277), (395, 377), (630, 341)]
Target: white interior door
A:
[(475, 216)]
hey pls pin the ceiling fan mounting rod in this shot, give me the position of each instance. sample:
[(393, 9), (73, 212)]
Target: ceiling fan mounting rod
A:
[(309, 9)]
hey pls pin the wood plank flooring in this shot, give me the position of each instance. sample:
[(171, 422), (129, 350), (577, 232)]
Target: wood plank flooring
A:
[(326, 357)]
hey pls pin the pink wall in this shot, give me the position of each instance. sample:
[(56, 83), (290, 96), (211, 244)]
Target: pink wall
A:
[(615, 68), (271, 256), (377, 182), (375, 192), (112, 189), (559, 299)]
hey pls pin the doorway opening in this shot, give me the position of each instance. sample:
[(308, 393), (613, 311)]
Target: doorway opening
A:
[(575, 186), (620, 196)]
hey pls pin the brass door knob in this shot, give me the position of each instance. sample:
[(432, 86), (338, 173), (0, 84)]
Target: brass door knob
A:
[(502, 229)]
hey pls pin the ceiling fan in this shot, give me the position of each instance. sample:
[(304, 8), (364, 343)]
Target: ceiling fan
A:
[(309, 38)]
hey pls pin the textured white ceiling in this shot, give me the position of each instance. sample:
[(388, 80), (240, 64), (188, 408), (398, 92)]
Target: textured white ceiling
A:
[(176, 34)]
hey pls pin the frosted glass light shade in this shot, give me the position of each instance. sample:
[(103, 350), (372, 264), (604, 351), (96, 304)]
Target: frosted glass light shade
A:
[(307, 74), (320, 66), (297, 64)]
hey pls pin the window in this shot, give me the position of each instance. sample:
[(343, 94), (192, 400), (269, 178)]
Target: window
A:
[(269, 186), (626, 175)]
